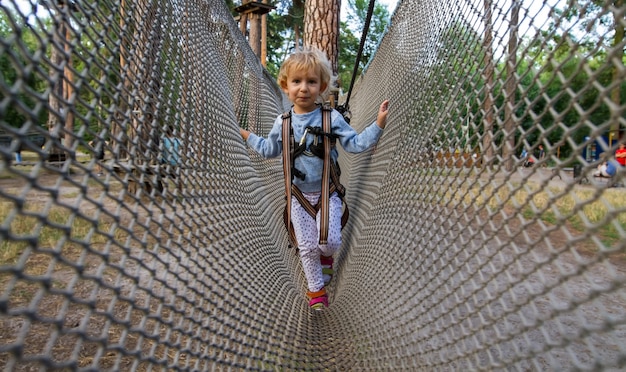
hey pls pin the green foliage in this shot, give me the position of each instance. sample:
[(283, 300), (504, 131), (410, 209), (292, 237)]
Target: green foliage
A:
[(456, 88), (350, 38), (27, 40), (278, 41), (553, 95), (557, 90), (554, 92), (348, 49), (357, 16), (289, 15), (592, 17), (15, 72), (281, 30), (230, 4)]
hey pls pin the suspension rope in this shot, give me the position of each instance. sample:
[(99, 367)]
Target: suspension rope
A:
[(370, 10)]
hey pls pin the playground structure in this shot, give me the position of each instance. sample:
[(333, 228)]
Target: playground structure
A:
[(447, 264)]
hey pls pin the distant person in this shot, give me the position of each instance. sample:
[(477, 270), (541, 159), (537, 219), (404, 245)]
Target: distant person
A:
[(527, 161), (523, 155), (620, 155), (607, 169), (98, 153), (541, 154), (18, 156), (171, 155)]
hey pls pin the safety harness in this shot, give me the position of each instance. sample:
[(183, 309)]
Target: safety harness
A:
[(330, 173)]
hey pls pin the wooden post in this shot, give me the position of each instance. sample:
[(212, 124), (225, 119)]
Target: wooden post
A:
[(264, 38), (255, 13), (254, 37), (243, 24)]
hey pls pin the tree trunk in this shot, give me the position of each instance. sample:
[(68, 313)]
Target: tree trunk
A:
[(297, 8), (508, 150), (254, 38), (68, 90), (321, 27), (264, 38), (143, 77), (296, 38), (488, 76), (56, 81), (118, 131)]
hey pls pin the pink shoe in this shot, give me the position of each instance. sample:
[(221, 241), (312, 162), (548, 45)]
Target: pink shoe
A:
[(327, 268), (318, 300)]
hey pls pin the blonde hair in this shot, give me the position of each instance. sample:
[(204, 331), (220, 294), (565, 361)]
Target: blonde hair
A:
[(306, 59)]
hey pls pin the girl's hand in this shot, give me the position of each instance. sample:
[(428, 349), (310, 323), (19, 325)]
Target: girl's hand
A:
[(244, 133), (381, 119)]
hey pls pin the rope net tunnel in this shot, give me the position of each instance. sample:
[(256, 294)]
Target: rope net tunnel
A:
[(456, 255)]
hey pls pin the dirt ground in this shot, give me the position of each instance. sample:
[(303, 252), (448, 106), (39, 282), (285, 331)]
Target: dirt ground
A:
[(560, 281), (80, 304)]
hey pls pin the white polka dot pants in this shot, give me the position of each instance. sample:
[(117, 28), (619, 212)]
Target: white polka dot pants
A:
[(307, 233)]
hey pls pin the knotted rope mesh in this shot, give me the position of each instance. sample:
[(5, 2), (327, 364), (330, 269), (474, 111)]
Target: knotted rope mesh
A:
[(456, 255)]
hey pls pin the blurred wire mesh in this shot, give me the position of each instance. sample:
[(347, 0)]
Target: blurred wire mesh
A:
[(460, 252)]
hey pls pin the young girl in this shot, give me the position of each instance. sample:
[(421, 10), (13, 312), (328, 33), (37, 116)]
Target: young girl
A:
[(305, 77)]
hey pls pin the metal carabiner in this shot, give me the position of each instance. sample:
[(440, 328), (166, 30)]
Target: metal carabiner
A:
[(303, 139)]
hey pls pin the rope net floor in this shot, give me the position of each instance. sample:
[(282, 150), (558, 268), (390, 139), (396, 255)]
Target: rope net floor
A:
[(455, 257)]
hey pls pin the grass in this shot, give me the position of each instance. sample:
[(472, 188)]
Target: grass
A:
[(29, 158), (62, 227), (582, 208)]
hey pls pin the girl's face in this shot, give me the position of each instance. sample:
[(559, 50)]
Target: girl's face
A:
[(303, 87)]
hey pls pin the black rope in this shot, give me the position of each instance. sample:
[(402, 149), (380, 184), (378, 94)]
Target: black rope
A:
[(346, 106)]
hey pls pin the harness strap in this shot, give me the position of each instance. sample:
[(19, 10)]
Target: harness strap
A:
[(330, 178), (288, 148), (325, 196), (341, 191), (310, 209)]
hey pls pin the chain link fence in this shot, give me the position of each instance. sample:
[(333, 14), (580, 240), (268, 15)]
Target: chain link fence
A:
[(479, 238)]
